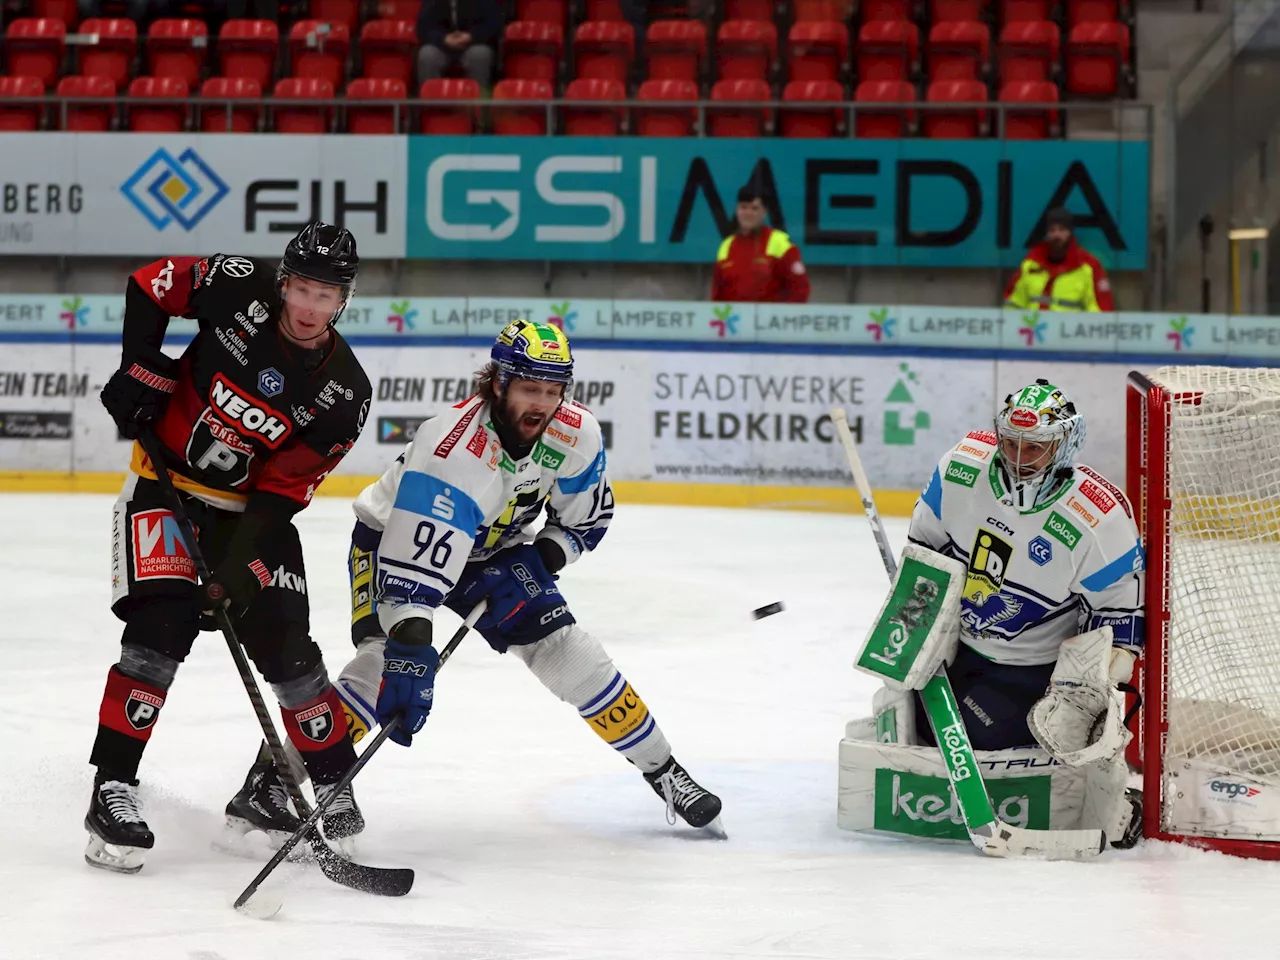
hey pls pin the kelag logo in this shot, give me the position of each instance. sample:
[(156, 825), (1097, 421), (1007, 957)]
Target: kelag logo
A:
[(850, 203), (166, 189)]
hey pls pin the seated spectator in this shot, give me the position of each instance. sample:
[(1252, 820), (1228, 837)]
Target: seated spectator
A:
[(463, 32)]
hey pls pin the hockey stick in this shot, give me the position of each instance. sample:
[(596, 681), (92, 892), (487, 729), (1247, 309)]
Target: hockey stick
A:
[(988, 832), (308, 825), (383, 881)]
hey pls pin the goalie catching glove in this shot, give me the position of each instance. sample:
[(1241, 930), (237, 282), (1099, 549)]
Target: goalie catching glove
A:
[(1081, 718)]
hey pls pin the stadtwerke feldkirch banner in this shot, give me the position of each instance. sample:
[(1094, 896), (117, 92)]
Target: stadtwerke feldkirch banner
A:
[(846, 202)]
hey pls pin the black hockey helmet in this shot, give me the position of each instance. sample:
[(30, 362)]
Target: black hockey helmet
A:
[(323, 253)]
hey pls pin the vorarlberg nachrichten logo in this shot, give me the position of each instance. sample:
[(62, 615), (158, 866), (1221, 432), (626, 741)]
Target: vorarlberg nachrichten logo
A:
[(179, 190)]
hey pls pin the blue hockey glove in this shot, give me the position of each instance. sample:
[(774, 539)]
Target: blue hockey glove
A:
[(512, 581), (408, 678)]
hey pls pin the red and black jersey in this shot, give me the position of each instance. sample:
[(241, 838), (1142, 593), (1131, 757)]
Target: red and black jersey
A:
[(251, 411)]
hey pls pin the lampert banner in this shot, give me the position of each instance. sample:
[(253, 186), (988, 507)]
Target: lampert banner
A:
[(846, 202), (143, 195)]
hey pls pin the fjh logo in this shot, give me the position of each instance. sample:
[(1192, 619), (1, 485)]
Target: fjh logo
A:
[(725, 323), (881, 325), (1032, 329), (168, 189), (1180, 331), (401, 316), (74, 313), (563, 316)]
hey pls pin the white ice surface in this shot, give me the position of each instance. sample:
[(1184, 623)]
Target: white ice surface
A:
[(530, 838)]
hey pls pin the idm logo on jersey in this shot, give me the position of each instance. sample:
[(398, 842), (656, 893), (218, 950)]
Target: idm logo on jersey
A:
[(988, 564), (168, 189)]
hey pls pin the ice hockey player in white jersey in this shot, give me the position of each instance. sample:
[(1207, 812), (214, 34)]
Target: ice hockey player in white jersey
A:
[(452, 523), (1050, 615)]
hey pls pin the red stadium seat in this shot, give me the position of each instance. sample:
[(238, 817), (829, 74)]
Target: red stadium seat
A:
[(20, 117), (739, 121), (302, 118), (1096, 54), (676, 50), (1017, 11), (821, 10), (399, 10), (318, 50), (369, 119), (1028, 50), (448, 120), (345, 12), (230, 118), (887, 50), (945, 11), (1091, 11), (603, 50), (86, 117), (160, 117), (796, 122), (527, 120), (817, 50), (389, 50), (604, 10), (959, 124), (112, 55), (68, 11), (762, 10), (1031, 124), (890, 123), (746, 49), (247, 48), (34, 47), (543, 11), (594, 121), (886, 10), (531, 50), (176, 48), (958, 50), (665, 121)]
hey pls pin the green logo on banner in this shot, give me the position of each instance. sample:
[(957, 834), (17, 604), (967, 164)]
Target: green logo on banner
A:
[(896, 640), (1060, 528), (895, 433), (962, 474), (924, 806)]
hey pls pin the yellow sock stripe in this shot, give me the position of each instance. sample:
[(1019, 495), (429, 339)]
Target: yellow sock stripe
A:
[(361, 583), (620, 717)]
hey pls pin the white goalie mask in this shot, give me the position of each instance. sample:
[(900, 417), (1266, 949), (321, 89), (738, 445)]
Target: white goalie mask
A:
[(1040, 436)]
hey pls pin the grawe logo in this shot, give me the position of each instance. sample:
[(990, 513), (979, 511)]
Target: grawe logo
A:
[(1180, 333), (563, 316), (1032, 329), (924, 806), (726, 321), (895, 433), (74, 314), (881, 325), (401, 316)]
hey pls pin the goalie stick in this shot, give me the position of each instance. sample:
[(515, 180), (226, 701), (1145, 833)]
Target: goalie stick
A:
[(988, 832), (270, 905), (382, 881)]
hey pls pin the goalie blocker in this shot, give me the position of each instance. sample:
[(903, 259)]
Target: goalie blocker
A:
[(893, 780)]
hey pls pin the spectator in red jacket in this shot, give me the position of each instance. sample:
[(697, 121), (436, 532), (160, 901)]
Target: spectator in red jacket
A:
[(758, 263), (1059, 274)]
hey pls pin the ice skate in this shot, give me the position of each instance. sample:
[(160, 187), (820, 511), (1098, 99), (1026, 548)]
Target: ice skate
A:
[(342, 820), (694, 805), (261, 806), (118, 836)]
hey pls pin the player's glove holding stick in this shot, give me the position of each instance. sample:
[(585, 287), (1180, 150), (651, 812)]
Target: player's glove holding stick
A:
[(408, 678), (137, 394), (514, 581)]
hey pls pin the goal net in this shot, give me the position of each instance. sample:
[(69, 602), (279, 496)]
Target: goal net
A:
[(1204, 474)]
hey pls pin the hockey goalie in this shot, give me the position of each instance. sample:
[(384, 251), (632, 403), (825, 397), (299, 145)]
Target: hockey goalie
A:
[(1024, 577)]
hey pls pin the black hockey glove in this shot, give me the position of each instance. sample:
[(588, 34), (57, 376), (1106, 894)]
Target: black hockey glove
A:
[(138, 392), (236, 584)]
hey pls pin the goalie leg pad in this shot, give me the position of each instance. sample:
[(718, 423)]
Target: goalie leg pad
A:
[(575, 667), (918, 627), (895, 716)]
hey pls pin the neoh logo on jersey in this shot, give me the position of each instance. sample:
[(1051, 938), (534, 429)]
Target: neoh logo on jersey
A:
[(159, 551), (268, 425), (988, 564), (1097, 496)]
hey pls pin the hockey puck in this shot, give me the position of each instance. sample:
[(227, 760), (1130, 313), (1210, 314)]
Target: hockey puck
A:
[(768, 610)]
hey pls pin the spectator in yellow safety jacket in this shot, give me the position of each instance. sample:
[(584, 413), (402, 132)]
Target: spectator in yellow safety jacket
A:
[(1059, 274)]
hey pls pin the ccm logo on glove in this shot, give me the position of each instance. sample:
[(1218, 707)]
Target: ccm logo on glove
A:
[(405, 666)]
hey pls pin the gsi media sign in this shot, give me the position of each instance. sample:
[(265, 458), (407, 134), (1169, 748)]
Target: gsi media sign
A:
[(859, 202), (144, 195)]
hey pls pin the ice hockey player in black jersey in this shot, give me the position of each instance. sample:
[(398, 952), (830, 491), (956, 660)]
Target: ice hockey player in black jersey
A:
[(262, 405)]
